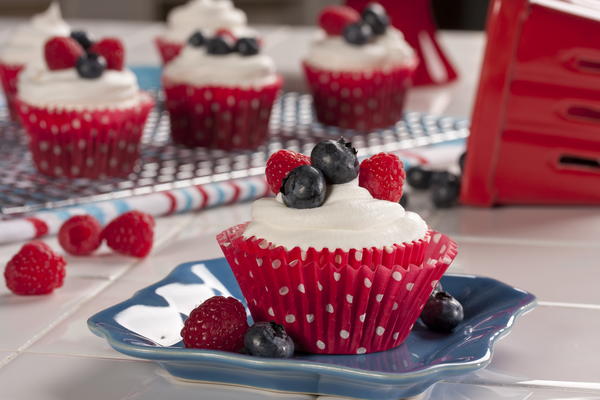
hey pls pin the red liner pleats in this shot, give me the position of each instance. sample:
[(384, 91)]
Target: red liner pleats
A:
[(9, 75)]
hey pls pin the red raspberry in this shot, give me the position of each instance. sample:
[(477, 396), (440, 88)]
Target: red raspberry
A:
[(112, 50), (217, 324), (226, 34), (131, 234), (35, 269), (280, 164), (80, 235), (62, 52), (383, 176), (334, 19)]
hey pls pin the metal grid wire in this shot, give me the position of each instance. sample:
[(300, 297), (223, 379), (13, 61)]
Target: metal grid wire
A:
[(165, 166)]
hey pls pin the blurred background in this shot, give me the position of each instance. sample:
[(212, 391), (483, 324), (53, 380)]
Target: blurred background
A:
[(450, 14)]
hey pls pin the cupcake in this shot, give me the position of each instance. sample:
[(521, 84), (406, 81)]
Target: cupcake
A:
[(206, 16), (83, 110), (26, 46), (358, 69), (219, 92), (334, 257)]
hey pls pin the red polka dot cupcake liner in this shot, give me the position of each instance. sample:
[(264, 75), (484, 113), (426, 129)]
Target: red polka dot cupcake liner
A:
[(168, 50), (338, 302), (9, 75), (220, 117), (81, 143), (361, 101)]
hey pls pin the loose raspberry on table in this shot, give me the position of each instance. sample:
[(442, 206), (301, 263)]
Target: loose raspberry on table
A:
[(131, 234)]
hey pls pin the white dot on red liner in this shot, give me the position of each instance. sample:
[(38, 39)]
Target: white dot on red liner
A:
[(276, 264), (349, 298), (434, 283), (259, 262), (395, 335), (437, 237), (284, 290), (251, 274), (380, 330), (329, 308), (293, 263), (358, 255), (362, 317), (344, 334), (320, 345), (446, 260), (361, 350), (397, 276), (395, 306), (290, 318), (320, 286), (378, 298), (409, 286), (337, 276), (310, 318), (368, 282), (271, 312), (301, 288)]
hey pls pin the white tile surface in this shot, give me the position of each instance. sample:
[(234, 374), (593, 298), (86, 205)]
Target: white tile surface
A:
[(6, 356)]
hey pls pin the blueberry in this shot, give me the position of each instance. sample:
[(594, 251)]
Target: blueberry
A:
[(442, 313), (83, 39), (461, 162), (336, 160), (219, 45), (268, 339), (90, 66), (376, 17), (197, 39), (418, 177), (443, 177), (445, 190), (247, 46), (304, 187), (404, 200), (358, 33)]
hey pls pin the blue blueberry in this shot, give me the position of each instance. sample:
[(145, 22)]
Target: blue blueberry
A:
[(442, 313), (336, 160), (83, 39), (445, 189), (358, 33), (268, 339), (219, 46), (304, 187), (376, 17), (247, 46), (90, 66), (197, 39), (418, 177)]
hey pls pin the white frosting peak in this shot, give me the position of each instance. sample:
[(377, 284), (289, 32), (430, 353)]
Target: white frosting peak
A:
[(349, 218), (26, 45)]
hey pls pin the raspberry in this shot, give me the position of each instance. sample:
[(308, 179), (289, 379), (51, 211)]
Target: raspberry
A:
[(383, 176), (34, 270), (131, 234), (217, 324), (113, 52), (62, 52), (226, 33), (80, 235), (334, 19), (280, 164)]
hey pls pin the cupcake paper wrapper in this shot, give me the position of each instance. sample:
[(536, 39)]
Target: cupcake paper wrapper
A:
[(354, 302), (220, 117), (359, 100), (8, 75), (80, 143), (168, 50)]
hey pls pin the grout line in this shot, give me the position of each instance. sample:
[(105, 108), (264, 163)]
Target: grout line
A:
[(569, 305)]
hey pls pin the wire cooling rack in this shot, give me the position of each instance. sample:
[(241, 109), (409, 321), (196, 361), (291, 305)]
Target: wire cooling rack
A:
[(165, 166)]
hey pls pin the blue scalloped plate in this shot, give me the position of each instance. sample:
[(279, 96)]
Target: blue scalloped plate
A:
[(147, 326)]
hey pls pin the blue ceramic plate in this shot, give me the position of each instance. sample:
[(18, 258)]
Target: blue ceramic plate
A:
[(147, 326)]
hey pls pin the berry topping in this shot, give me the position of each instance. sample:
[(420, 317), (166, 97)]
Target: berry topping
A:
[(268, 339), (418, 177), (80, 235), (131, 234), (304, 187), (113, 52), (62, 53), (442, 313), (91, 66), (35, 269), (247, 46), (376, 16), (336, 159), (280, 164), (83, 39), (445, 189), (334, 19), (383, 176), (217, 324), (219, 45), (197, 39), (358, 33)]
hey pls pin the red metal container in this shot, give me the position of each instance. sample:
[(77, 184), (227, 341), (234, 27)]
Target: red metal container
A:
[(535, 133)]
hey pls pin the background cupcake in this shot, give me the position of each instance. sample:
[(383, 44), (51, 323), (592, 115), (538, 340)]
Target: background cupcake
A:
[(359, 69), (83, 111), (220, 91), (206, 16), (26, 46)]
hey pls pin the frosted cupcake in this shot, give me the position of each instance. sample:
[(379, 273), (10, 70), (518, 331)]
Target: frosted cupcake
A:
[(219, 92), (359, 69), (26, 46), (206, 16), (343, 271), (83, 110)]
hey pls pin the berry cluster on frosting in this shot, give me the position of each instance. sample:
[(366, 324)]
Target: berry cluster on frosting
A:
[(90, 58), (356, 29), (224, 42)]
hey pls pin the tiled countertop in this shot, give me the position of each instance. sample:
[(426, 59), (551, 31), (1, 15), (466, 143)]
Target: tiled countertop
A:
[(47, 352)]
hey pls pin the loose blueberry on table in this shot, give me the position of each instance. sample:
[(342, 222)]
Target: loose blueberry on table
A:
[(445, 186), (268, 339)]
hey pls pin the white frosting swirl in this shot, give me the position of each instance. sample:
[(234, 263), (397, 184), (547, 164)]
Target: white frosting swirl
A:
[(335, 54), (26, 45), (206, 16), (350, 218), (195, 67), (65, 88)]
